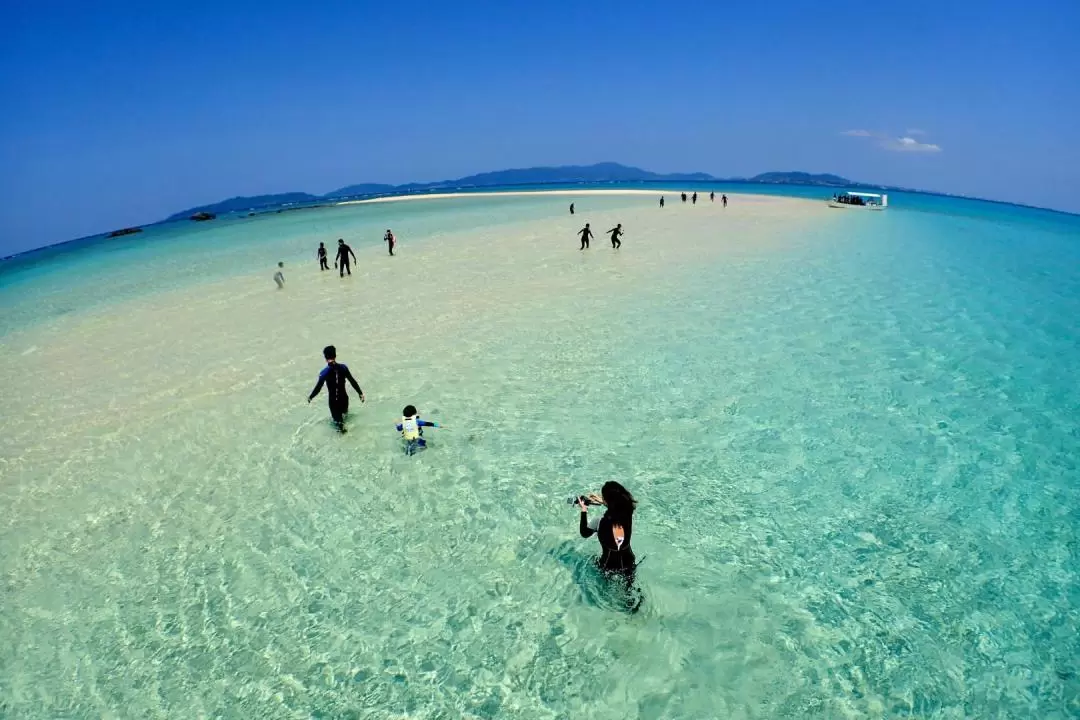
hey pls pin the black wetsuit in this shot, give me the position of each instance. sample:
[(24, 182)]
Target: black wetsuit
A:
[(342, 259), (323, 265), (612, 558), (585, 234), (615, 561), (615, 234), (334, 376)]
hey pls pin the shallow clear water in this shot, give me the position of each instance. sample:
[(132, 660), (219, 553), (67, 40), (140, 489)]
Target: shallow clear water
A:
[(855, 438)]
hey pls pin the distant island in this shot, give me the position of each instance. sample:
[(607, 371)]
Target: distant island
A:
[(608, 172), (801, 178), (238, 204)]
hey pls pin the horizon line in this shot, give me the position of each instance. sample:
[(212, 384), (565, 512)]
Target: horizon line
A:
[(323, 201)]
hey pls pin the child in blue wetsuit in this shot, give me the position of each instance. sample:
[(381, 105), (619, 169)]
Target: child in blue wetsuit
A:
[(411, 428)]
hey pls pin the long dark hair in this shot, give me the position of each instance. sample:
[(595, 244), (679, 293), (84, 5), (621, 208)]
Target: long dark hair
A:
[(620, 503)]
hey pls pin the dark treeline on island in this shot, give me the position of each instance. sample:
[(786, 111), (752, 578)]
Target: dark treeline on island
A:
[(800, 178), (238, 204), (608, 172)]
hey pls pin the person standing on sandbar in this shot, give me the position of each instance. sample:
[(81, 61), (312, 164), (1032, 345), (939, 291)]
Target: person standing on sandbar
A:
[(585, 234), (390, 240), (322, 257), (342, 259), (615, 233)]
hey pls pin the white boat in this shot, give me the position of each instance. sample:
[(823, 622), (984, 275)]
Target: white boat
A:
[(859, 201)]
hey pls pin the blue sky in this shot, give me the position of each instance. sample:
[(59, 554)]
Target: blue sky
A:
[(122, 113)]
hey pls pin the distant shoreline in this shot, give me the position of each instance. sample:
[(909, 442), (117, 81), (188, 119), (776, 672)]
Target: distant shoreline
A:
[(421, 194), (563, 193), (496, 193)]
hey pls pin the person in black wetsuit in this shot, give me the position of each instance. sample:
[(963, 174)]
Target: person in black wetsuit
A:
[(334, 376), (693, 200), (616, 233), (723, 199), (712, 197), (684, 197), (571, 208), (323, 265), (342, 259), (390, 240), (614, 531), (586, 235), (661, 201)]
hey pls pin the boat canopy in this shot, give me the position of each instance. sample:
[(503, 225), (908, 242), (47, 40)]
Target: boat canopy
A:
[(874, 201)]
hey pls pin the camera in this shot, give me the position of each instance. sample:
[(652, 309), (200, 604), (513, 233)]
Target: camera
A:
[(580, 498)]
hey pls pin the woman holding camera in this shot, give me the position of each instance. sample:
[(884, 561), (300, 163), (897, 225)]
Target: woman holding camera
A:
[(613, 530)]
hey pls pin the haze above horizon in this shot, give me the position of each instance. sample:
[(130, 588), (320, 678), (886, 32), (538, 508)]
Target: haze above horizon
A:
[(121, 114)]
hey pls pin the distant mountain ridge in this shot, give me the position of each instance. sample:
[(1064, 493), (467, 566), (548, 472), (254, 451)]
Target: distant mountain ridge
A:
[(601, 172), (240, 203), (800, 178), (606, 172)]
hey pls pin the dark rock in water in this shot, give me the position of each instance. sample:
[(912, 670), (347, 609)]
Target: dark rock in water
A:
[(201, 216), (125, 231)]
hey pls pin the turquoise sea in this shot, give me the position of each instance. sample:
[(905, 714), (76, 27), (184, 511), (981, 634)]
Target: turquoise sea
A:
[(854, 436)]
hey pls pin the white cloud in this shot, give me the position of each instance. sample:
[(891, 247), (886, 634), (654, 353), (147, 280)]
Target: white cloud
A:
[(910, 144), (905, 143)]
